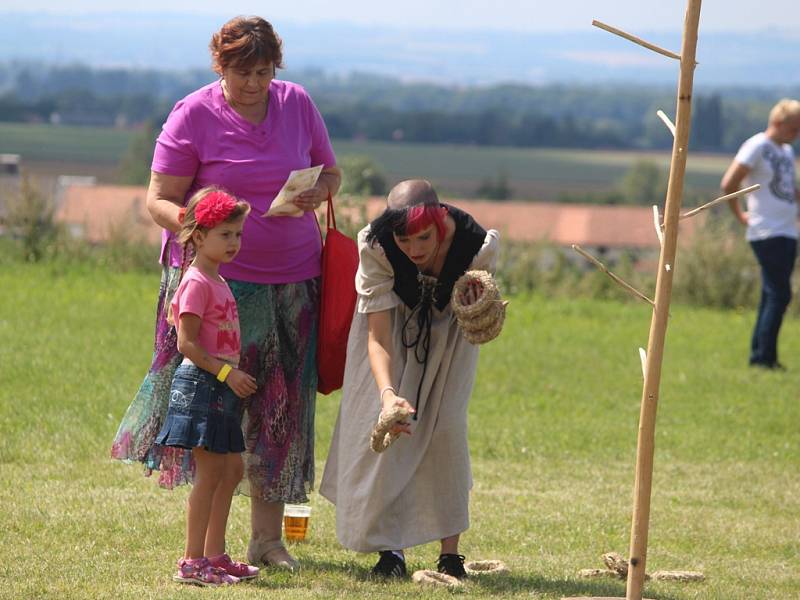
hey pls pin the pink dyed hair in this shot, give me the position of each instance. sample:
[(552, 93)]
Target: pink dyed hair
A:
[(422, 216)]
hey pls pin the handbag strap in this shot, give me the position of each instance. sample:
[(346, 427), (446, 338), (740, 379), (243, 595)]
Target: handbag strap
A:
[(331, 218), (331, 214)]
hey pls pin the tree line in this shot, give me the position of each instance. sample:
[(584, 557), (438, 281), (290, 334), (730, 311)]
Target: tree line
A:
[(364, 106)]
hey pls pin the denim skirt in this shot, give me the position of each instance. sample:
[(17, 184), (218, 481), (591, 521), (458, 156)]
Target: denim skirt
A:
[(202, 413)]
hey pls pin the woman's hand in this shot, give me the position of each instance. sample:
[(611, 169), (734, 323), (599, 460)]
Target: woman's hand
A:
[(242, 384), (474, 291), (390, 400), (312, 198)]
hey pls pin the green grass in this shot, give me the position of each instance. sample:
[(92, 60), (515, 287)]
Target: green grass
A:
[(69, 143), (533, 173), (553, 424)]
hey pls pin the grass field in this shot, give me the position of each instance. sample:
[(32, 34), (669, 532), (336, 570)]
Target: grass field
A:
[(533, 173), (553, 423)]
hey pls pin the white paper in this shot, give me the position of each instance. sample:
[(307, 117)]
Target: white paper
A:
[(297, 182)]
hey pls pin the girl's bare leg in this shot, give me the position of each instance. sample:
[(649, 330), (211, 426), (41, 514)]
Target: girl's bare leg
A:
[(233, 471), (209, 469)]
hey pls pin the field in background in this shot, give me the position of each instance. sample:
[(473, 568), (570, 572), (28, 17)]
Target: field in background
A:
[(553, 425), (532, 173)]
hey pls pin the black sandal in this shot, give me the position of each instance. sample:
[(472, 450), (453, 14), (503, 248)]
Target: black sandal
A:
[(389, 565), (452, 564)]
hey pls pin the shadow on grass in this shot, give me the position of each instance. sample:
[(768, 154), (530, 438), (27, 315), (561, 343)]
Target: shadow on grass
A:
[(501, 584), (518, 582), (273, 578)]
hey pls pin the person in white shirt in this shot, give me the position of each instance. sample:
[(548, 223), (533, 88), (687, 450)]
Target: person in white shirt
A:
[(771, 220)]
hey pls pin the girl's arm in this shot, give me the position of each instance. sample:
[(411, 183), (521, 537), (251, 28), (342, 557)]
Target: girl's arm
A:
[(240, 382), (379, 345), (165, 196)]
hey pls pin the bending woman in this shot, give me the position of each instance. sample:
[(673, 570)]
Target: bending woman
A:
[(405, 349)]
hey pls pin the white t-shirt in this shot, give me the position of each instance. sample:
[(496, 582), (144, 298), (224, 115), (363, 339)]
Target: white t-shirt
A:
[(772, 210)]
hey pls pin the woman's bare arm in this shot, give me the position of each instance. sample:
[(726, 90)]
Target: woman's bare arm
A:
[(165, 196), (379, 346)]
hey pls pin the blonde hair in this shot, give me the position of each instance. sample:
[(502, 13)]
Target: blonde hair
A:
[(189, 225), (785, 109)]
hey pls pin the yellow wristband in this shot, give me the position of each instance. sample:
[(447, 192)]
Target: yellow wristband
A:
[(224, 371)]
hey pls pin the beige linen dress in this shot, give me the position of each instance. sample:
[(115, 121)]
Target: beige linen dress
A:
[(417, 491)]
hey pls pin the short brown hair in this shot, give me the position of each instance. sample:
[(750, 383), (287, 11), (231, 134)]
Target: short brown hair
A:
[(244, 41)]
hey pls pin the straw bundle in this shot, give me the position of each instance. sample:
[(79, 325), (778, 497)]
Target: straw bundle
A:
[(479, 310), (382, 437)]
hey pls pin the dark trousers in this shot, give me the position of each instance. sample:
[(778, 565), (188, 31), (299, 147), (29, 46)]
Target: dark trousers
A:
[(776, 257)]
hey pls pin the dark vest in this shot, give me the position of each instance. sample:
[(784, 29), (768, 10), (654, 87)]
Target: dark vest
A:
[(468, 239)]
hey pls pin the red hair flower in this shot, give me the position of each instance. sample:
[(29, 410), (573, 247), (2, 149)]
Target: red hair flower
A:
[(214, 209)]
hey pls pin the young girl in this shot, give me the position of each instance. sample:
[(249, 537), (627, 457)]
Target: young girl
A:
[(204, 413)]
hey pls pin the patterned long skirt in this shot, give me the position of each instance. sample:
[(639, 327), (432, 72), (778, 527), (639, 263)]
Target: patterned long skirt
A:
[(279, 337)]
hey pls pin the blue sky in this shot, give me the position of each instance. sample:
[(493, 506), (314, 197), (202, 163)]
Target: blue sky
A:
[(521, 15)]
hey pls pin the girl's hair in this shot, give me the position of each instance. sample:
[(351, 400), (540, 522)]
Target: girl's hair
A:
[(243, 42), (189, 225)]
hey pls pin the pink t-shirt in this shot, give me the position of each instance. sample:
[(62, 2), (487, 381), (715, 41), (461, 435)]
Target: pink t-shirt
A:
[(206, 139), (213, 302)]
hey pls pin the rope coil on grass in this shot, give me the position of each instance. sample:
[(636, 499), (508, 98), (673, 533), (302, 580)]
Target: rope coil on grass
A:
[(617, 568), (428, 577), (485, 567)]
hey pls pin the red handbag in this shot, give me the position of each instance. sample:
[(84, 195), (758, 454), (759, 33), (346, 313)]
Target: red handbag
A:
[(337, 304)]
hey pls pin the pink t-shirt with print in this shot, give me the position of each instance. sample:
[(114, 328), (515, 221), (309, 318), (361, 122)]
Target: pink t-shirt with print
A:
[(204, 138), (212, 301)]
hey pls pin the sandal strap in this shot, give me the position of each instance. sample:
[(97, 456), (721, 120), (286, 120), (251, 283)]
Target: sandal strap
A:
[(269, 547)]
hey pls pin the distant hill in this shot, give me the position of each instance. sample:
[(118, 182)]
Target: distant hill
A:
[(174, 41)]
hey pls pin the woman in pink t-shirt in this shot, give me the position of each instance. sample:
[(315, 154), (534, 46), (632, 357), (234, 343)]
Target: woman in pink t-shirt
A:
[(246, 132)]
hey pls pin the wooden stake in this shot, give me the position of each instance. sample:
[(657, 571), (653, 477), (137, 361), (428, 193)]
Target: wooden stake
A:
[(657, 224), (707, 205), (658, 325), (643, 359), (627, 286), (635, 40), (663, 116)]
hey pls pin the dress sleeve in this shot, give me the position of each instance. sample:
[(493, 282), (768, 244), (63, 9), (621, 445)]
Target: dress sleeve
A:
[(175, 152), (321, 148), (374, 278), (486, 258)]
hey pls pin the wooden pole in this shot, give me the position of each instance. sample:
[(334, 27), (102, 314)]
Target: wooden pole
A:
[(635, 40), (658, 325)]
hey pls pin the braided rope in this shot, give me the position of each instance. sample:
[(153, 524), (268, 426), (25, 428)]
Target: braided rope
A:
[(485, 567), (381, 437), (478, 307), (617, 568), (428, 577)]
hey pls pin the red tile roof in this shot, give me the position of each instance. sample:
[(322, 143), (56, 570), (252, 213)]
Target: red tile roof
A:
[(96, 211), (564, 224)]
